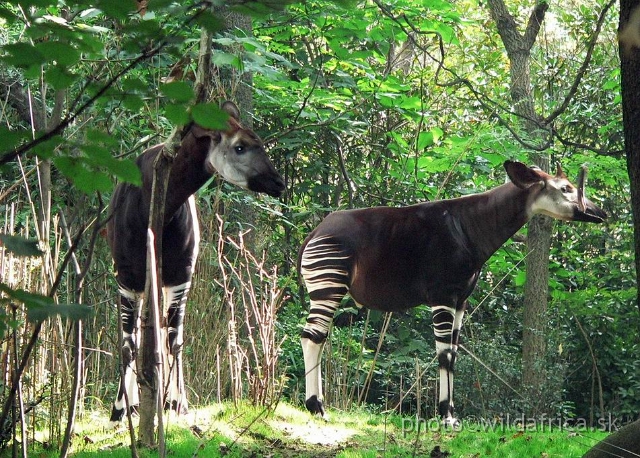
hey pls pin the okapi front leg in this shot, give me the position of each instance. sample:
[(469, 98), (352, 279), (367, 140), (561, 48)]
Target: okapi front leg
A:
[(175, 302), (447, 322), (129, 308)]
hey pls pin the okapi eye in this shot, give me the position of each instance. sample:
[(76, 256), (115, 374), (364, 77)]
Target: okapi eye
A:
[(566, 189), (239, 149)]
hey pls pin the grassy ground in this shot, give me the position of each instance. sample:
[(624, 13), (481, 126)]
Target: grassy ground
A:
[(223, 430)]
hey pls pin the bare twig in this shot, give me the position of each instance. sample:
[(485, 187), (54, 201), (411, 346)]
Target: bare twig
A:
[(246, 281)]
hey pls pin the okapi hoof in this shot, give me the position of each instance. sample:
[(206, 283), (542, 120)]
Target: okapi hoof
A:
[(173, 405), (118, 414), (451, 422), (314, 405)]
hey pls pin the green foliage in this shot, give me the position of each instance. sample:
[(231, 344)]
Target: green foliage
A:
[(40, 307), (209, 115), (20, 246)]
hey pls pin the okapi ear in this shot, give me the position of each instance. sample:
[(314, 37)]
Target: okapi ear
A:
[(200, 132), (521, 175), (231, 109), (559, 171)]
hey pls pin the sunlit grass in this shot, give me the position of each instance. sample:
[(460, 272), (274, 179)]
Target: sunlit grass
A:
[(243, 431)]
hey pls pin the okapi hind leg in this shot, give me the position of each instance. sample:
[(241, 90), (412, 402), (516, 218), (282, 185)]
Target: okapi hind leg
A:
[(130, 303), (175, 298), (323, 267), (447, 322), (312, 350)]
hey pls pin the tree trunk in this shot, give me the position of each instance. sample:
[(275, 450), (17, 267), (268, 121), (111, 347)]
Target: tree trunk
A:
[(237, 85), (518, 47), (630, 88), (535, 311), (231, 83), (150, 356), (148, 360)]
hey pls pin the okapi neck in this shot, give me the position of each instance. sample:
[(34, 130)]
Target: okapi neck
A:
[(496, 216), (188, 173)]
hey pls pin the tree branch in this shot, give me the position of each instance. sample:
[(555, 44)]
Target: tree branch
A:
[(535, 21), (600, 151), (583, 68), (507, 26)]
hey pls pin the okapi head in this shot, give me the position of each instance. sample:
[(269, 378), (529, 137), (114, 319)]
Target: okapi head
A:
[(556, 195), (238, 156)]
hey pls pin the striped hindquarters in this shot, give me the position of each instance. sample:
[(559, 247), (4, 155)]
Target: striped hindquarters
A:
[(324, 265)]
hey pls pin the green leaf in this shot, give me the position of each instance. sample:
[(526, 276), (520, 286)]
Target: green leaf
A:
[(62, 53), (425, 139), (135, 84), (86, 180), (133, 102), (128, 171), (37, 312), (90, 181), (19, 245), (177, 114), (23, 55), (100, 157), (102, 138), (59, 77), (222, 59), (12, 138), (210, 22), (7, 15), (40, 307), (209, 116), (116, 8), (179, 91)]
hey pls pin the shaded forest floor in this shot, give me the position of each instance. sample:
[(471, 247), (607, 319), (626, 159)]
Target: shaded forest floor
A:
[(222, 430)]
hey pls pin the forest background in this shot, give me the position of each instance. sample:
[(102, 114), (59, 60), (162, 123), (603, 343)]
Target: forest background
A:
[(359, 104)]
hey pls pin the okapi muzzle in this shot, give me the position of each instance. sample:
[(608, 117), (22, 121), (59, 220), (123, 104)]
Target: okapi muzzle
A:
[(587, 211), (238, 156), (560, 199)]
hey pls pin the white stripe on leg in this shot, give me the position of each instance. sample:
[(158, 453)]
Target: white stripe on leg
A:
[(175, 298), (313, 377)]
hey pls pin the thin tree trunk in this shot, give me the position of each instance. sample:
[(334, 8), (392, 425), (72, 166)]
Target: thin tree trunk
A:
[(518, 47), (147, 361), (238, 86), (149, 384)]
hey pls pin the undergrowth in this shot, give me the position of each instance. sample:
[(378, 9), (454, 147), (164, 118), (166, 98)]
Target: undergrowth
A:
[(223, 430)]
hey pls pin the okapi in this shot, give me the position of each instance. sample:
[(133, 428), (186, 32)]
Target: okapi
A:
[(238, 156), (392, 259)]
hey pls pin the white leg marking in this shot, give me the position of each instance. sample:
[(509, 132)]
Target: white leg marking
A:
[(175, 298), (446, 320), (196, 227), (313, 378), (446, 378), (130, 315)]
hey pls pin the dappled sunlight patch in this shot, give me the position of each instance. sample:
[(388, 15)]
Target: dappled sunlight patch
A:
[(315, 432), (299, 425)]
